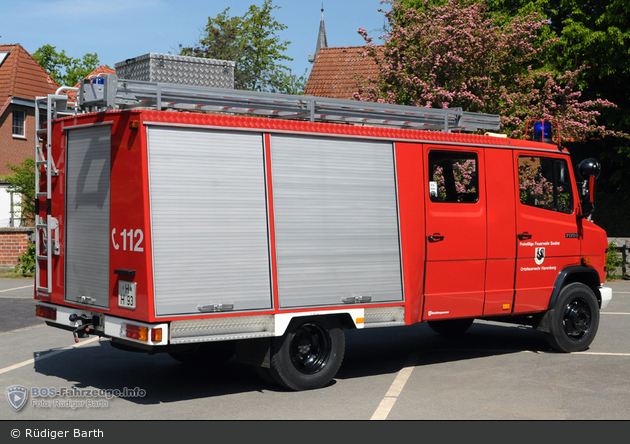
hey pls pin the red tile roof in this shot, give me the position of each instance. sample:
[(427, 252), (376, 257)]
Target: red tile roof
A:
[(338, 71), (21, 76), (101, 70)]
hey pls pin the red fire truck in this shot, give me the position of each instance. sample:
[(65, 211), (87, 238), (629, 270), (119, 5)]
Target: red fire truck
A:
[(210, 223)]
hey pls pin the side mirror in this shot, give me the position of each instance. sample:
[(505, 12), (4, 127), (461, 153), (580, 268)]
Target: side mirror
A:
[(589, 170), (589, 167)]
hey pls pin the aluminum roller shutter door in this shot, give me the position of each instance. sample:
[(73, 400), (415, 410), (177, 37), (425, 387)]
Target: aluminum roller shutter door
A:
[(336, 221), (88, 160), (209, 220)]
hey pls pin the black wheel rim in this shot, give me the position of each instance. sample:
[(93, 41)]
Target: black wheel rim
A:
[(310, 348), (576, 319)]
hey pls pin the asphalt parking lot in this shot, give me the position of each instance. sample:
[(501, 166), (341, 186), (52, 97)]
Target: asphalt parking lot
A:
[(493, 372), (16, 305)]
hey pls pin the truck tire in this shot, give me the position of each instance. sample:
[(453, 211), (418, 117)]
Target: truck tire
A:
[(308, 355), (209, 354), (451, 327), (574, 320)]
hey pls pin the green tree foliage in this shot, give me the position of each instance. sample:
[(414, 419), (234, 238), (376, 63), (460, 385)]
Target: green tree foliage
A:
[(613, 261), (253, 42), (594, 34), (458, 55), (65, 70), (22, 182), (26, 261), (580, 55)]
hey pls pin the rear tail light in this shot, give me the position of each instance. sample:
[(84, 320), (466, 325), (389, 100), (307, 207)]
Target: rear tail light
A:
[(46, 312), (137, 332), (156, 335)]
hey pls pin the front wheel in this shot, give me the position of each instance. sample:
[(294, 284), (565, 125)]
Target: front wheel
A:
[(308, 356), (574, 320)]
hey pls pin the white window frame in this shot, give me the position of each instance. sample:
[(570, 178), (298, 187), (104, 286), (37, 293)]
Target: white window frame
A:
[(13, 126)]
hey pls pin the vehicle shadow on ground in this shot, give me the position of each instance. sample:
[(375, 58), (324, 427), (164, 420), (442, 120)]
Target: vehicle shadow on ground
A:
[(368, 352), (372, 352)]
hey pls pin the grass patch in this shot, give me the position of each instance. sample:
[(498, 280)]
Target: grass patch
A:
[(12, 274)]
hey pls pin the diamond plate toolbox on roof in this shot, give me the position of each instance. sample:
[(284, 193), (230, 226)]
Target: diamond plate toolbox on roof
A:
[(180, 70)]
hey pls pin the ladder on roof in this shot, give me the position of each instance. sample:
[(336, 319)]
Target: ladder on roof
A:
[(112, 92), (46, 245)]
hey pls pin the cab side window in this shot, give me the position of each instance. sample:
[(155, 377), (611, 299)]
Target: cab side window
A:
[(544, 182), (453, 177)]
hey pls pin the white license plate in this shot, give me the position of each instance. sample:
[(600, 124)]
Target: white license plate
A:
[(126, 294)]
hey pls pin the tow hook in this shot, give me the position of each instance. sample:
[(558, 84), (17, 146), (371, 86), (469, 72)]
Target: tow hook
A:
[(86, 323)]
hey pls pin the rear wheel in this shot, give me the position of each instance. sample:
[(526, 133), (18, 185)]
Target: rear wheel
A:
[(451, 327), (206, 354), (574, 320), (308, 356)]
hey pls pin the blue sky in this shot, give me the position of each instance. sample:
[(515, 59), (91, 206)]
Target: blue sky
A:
[(120, 29)]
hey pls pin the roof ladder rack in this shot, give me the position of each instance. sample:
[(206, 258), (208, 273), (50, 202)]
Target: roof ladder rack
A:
[(112, 92)]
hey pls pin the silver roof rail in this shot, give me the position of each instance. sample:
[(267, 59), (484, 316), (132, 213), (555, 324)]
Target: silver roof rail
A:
[(110, 92)]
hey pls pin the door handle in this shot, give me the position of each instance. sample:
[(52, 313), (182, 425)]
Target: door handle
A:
[(436, 238), (524, 236)]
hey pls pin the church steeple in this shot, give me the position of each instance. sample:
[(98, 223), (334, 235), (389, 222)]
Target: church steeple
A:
[(321, 38)]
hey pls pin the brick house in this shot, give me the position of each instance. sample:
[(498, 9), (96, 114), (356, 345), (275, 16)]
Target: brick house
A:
[(21, 80)]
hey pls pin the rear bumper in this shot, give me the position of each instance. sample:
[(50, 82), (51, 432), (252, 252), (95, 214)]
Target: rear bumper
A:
[(108, 326)]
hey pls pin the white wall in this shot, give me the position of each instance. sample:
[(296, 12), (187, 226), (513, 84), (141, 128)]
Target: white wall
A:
[(5, 207)]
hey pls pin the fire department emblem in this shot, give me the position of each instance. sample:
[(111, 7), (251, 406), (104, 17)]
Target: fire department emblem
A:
[(17, 396), (540, 255)]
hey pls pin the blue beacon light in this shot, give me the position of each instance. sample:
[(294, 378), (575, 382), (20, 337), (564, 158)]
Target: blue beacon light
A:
[(540, 135)]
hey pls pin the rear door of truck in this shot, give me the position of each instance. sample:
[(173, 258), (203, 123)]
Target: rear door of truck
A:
[(88, 163)]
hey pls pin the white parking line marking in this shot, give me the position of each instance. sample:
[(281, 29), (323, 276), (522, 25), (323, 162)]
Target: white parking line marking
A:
[(613, 313), (601, 353), (17, 288), (386, 405), (12, 296), (47, 355)]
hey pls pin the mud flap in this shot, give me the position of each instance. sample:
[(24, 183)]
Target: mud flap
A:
[(543, 325)]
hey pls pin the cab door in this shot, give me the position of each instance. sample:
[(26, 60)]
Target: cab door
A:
[(546, 226), (455, 213)]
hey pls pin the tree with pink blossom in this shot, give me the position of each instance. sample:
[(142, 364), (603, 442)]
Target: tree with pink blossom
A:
[(458, 55)]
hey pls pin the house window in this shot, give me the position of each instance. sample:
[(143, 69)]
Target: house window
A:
[(19, 119)]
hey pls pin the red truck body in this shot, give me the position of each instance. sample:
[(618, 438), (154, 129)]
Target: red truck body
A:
[(215, 222)]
